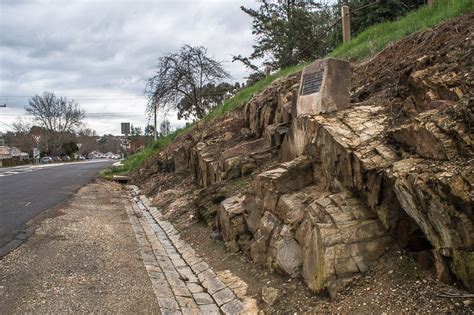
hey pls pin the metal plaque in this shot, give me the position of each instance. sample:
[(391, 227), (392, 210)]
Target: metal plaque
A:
[(312, 82)]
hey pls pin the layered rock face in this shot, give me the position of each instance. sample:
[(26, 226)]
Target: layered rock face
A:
[(395, 167)]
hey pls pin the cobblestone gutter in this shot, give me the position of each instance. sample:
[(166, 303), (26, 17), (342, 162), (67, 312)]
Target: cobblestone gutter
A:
[(183, 282)]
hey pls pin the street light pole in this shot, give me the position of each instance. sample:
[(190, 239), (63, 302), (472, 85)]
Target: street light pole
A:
[(154, 129)]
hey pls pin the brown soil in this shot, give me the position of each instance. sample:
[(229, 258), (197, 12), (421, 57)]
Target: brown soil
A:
[(445, 52)]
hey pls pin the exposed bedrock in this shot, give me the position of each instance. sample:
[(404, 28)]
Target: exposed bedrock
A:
[(343, 186)]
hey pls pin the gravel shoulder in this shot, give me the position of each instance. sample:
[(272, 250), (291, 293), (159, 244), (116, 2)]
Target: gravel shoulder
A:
[(83, 257)]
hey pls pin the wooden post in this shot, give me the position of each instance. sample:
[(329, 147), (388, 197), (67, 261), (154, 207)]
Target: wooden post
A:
[(430, 2), (346, 24), (268, 69)]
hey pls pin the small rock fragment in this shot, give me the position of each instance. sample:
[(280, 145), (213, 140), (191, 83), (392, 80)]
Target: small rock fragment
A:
[(270, 295)]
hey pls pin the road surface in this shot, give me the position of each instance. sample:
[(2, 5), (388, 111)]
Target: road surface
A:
[(27, 191)]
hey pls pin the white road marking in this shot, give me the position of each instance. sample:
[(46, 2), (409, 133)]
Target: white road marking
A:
[(30, 168)]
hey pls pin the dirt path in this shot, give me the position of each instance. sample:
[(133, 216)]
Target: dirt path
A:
[(83, 258)]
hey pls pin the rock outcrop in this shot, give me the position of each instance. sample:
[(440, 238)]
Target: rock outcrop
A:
[(331, 192)]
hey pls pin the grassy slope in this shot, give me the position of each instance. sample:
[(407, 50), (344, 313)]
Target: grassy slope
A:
[(366, 44), (375, 38)]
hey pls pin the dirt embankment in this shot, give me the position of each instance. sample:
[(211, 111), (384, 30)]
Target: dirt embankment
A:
[(415, 108)]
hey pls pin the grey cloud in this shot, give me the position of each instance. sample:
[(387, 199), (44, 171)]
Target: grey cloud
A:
[(109, 47)]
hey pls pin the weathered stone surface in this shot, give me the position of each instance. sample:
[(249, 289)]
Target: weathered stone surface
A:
[(203, 298), (274, 134), (339, 240), (270, 295), (245, 148), (180, 159), (291, 207), (209, 309), (289, 176), (231, 222), (258, 249), (253, 213), (288, 257), (234, 307), (223, 296), (273, 106), (325, 87), (437, 196)]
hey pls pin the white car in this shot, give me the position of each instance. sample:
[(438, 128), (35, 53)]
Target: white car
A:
[(47, 159)]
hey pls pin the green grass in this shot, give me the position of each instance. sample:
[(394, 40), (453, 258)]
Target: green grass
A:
[(366, 44), (134, 161), (377, 37), (246, 94)]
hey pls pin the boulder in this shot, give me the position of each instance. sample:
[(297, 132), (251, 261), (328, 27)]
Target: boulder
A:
[(325, 87), (262, 237), (288, 259), (231, 222), (339, 241)]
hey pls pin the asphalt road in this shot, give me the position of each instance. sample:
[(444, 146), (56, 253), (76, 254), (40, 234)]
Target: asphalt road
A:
[(27, 191)]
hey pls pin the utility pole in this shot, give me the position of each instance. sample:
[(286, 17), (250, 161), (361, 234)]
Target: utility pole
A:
[(346, 24), (155, 135), (125, 128)]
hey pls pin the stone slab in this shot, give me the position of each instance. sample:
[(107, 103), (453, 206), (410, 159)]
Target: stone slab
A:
[(325, 87)]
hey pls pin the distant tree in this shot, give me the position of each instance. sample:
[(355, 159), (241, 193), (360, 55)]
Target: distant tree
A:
[(165, 128), (287, 33), (58, 115), (179, 81), (87, 132), (212, 95), (110, 143), (88, 139), (149, 130), (135, 131), (21, 125), (70, 148)]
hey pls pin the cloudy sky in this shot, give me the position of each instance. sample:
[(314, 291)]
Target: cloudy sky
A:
[(100, 52)]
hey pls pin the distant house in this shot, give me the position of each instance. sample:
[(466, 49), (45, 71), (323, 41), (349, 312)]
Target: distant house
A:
[(12, 156), (5, 153)]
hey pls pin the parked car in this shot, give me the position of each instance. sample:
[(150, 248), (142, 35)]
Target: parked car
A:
[(66, 158), (82, 158), (47, 159)]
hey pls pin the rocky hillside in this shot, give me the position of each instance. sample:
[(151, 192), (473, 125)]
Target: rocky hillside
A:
[(326, 196)]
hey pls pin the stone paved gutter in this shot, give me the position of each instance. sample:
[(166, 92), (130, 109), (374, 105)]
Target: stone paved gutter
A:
[(183, 283)]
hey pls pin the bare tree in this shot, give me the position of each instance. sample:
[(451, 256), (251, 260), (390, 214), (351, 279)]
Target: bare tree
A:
[(21, 125), (58, 115), (179, 80)]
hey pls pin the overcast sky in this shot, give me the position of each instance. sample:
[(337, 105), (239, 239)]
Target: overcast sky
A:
[(100, 52)]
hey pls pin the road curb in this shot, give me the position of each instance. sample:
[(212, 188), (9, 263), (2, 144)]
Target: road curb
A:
[(21, 237)]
